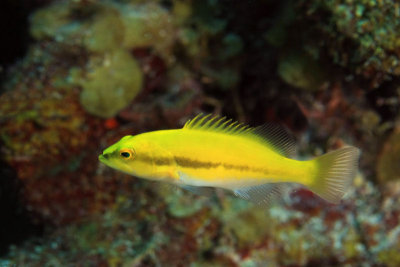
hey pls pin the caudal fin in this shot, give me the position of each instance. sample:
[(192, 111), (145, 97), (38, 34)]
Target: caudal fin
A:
[(336, 171)]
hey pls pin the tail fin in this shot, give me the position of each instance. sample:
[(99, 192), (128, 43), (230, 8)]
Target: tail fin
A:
[(335, 172)]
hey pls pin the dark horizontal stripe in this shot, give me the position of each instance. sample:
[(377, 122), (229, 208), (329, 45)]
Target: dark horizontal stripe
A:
[(237, 167), (159, 161), (162, 161), (189, 163), (186, 162), (196, 164)]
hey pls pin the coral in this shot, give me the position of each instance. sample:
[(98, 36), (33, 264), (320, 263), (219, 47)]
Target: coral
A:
[(387, 168), (104, 26), (48, 140), (148, 25), (50, 21), (168, 60), (111, 83), (137, 231), (36, 128), (46, 64), (300, 70), (362, 34), (245, 214), (180, 204), (108, 32), (106, 21)]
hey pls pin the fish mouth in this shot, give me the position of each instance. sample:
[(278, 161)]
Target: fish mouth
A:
[(103, 158)]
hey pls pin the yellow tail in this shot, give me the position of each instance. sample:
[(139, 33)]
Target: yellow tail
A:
[(335, 172)]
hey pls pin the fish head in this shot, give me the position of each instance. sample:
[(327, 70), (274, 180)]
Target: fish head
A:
[(123, 156)]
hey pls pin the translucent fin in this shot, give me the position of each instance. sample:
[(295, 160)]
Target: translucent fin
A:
[(270, 135), (264, 195), (336, 171), (199, 190), (277, 137)]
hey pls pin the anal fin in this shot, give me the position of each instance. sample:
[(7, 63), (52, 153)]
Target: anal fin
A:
[(263, 195), (199, 190)]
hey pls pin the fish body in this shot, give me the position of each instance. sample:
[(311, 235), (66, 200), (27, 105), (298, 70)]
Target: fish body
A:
[(254, 163)]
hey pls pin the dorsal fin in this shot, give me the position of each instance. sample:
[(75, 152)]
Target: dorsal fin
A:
[(216, 124), (269, 134), (277, 137)]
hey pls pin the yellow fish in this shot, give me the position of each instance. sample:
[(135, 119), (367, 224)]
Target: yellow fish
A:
[(210, 152)]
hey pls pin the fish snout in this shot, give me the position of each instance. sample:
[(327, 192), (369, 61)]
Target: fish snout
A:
[(104, 157)]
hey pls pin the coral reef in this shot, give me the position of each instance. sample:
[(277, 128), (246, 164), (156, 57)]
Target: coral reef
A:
[(105, 26), (37, 126), (98, 70), (360, 35), (387, 166), (228, 232), (108, 32)]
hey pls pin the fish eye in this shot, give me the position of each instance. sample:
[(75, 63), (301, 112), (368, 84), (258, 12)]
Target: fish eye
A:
[(126, 153)]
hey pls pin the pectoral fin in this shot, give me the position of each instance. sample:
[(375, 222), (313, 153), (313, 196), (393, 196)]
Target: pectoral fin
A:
[(187, 183)]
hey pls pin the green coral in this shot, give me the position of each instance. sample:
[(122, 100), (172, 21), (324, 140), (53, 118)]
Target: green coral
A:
[(108, 31), (106, 25), (111, 84), (148, 26), (107, 21)]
